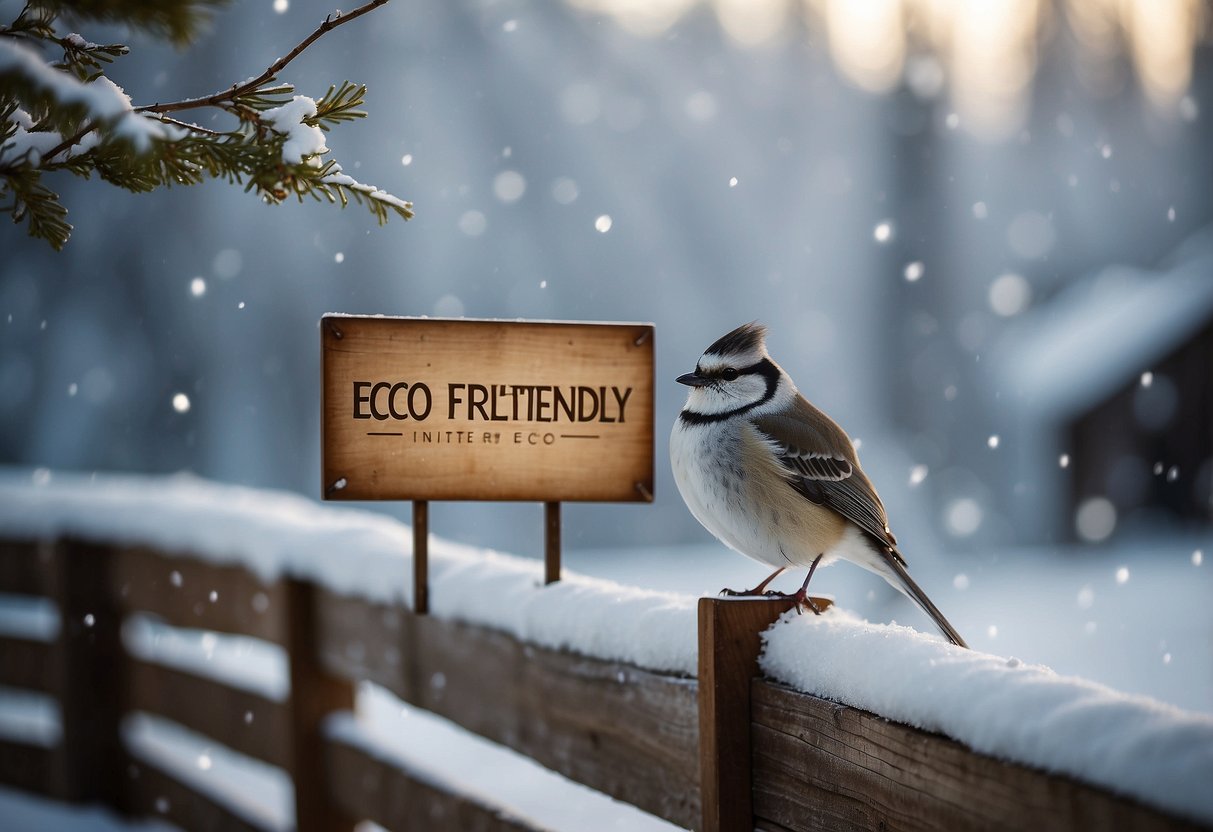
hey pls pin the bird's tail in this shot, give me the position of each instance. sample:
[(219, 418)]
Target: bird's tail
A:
[(914, 592)]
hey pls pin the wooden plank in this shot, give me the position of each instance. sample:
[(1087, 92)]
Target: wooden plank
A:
[(153, 792), (821, 765), (187, 592), (359, 640), (315, 693), (370, 789), (431, 409), (729, 644), (630, 733), (28, 767), (24, 567), (28, 664), (90, 667), (244, 721)]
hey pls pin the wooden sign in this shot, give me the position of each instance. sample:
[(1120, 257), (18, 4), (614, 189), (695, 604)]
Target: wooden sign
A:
[(433, 409)]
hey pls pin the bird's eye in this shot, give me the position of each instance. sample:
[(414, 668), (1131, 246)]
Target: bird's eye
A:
[(729, 374)]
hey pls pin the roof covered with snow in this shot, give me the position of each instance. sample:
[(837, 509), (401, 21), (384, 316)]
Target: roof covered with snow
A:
[(1099, 333)]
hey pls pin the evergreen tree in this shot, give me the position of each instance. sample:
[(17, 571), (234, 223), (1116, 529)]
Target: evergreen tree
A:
[(64, 114)]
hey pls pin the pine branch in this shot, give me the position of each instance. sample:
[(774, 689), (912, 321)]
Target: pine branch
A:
[(31, 24), (31, 201), (231, 98), (339, 104), (275, 149), (178, 20), (271, 73), (339, 188), (84, 59)]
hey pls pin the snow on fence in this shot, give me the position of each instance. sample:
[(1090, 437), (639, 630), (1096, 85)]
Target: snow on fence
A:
[(590, 679)]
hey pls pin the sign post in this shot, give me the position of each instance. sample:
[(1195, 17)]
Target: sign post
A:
[(421, 557), (427, 409)]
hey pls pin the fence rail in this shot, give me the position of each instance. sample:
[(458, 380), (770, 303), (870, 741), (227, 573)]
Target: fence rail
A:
[(621, 730), (630, 733)]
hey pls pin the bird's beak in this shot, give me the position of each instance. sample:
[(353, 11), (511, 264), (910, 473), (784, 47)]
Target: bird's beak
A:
[(692, 380)]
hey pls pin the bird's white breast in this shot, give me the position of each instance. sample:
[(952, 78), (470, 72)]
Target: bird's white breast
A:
[(696, 452), (733, 486)]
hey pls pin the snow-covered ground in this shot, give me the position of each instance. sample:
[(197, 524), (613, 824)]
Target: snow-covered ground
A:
[(1136, 620)]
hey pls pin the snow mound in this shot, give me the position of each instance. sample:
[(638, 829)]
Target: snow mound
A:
[(352, 552), (1002, 707)]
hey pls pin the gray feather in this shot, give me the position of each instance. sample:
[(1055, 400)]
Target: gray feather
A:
[(823, 467)]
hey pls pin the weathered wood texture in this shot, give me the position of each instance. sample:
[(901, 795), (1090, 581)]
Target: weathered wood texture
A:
[(421, 557), (818, 765), (90, 664), (186, 592), (25, 567), (244, 721), (315, 693), (28, 767), (435, 409), (28, 664), (155, 793), (627, 732), (365, 787), (728, 659), (551, 542)]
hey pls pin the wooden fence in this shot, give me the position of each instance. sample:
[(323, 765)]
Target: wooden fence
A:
[(767, 757)]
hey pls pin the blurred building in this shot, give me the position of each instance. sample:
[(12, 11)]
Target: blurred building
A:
[(1109, 387)]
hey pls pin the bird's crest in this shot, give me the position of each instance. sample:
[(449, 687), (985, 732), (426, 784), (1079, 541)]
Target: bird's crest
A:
[(747, 338)]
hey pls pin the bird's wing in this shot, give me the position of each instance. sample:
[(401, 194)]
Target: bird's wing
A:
[(822, 466)]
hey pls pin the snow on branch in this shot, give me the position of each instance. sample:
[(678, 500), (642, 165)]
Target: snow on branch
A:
[(69, 116), (380, 201), (304, 139), (101, 102)]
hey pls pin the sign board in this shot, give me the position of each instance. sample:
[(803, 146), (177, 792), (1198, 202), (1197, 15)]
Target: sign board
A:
[(434, 409)]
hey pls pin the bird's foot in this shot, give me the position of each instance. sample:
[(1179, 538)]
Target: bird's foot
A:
[(802, 599)]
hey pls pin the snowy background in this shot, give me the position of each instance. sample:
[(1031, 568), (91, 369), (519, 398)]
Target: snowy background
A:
[(957, 270), (515, 127)]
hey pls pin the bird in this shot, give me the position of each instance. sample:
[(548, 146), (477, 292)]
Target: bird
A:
[(776, 479)]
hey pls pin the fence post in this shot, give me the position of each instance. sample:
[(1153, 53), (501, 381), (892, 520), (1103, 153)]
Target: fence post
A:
[(91, 674), (729, 644), (314, 694)]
